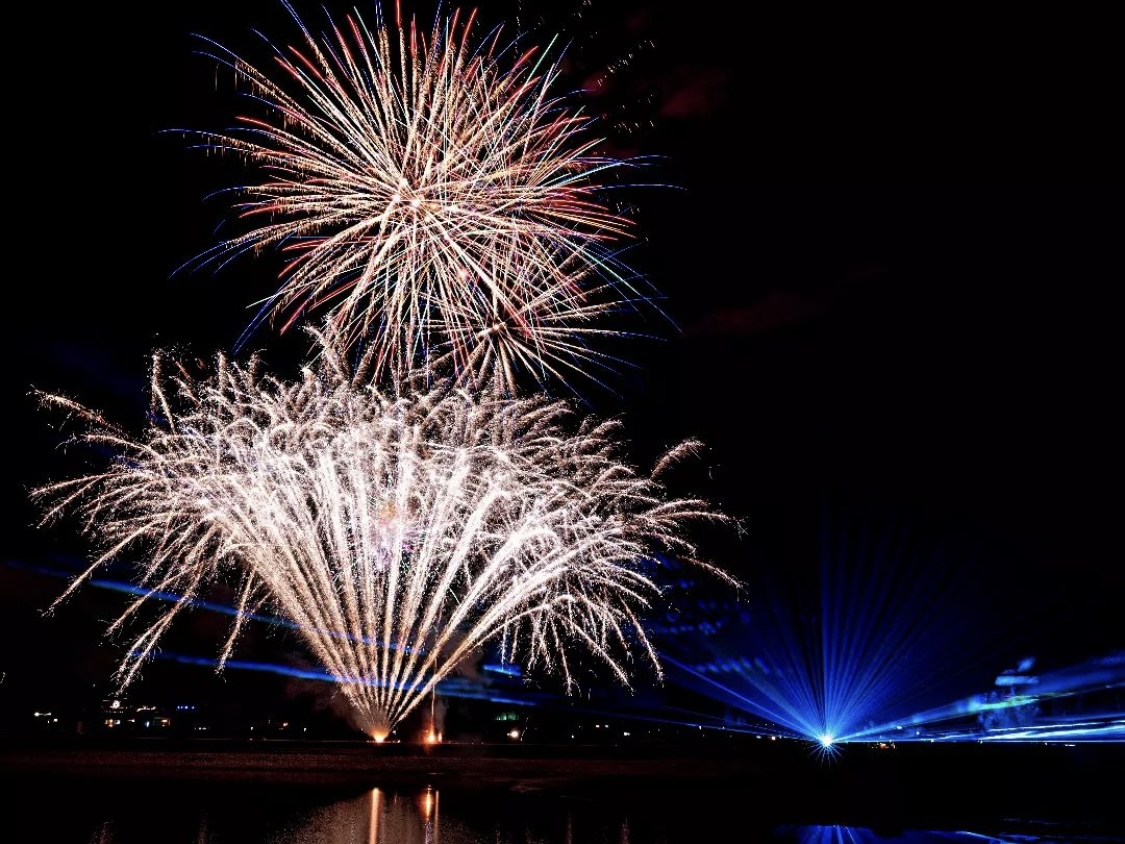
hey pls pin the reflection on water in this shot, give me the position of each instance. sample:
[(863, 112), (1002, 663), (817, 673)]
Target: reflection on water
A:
[(862, 835), (377, 817), (141, 812)]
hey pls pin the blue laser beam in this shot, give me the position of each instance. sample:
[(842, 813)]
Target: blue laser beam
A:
[(862, 644)]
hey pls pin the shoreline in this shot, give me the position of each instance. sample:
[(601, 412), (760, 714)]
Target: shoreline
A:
[(1031, 766), (348, 763)]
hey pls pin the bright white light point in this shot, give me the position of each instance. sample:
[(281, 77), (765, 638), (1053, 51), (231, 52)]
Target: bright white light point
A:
[(827, 739)]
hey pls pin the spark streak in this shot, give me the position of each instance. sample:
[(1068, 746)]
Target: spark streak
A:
[(398, 532), (437, 199)]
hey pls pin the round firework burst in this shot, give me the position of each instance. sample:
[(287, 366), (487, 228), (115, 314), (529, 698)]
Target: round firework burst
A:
[(397, 532), (436, 200)]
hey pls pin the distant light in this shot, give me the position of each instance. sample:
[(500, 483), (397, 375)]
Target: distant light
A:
[(1016, 680), (827, 739)]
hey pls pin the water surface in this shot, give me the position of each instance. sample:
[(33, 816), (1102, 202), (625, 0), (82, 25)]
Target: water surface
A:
[(78, 810)]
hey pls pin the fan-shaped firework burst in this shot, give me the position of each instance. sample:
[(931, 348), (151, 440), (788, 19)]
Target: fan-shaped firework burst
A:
[(437, 199), (398, 532)]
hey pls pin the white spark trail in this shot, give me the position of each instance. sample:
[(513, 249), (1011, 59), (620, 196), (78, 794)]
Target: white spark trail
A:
[(399, 532), (437, 198)]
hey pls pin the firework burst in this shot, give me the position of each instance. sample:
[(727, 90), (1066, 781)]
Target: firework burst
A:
[(435, 199), (399, 533)]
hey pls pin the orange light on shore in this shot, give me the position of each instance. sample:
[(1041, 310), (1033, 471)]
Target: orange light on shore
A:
[(378, 738)]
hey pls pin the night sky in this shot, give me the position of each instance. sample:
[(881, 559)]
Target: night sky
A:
[(891, 249)]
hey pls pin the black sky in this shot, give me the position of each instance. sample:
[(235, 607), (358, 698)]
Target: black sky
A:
[(893, 250)]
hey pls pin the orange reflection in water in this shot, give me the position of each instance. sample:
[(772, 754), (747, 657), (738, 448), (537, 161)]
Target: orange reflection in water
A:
[(378, 816), (373, 820)]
